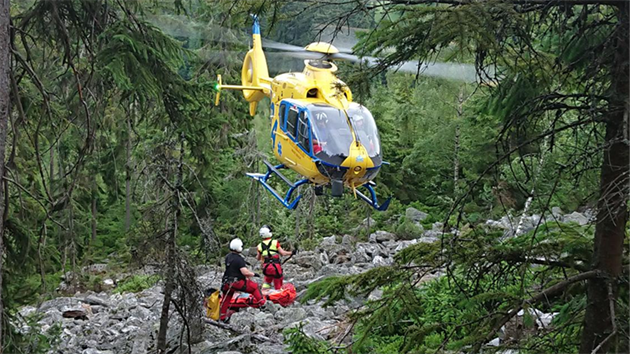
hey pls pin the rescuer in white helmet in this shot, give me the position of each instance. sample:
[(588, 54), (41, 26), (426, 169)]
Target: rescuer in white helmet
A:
[(269, 252), (236, 278)]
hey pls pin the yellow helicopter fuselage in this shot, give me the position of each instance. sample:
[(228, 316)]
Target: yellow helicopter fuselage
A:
[(312, 86), (316, 129)]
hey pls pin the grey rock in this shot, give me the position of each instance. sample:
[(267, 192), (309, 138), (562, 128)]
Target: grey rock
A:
[(263, 320), (290, 315), (140, 312), (328, 241), (360, 256), (317, 311), (98, 268), (528, 223), (251, 261), (348, 240), (199, 347), (382, 236), (307, 260), (505, 223), (404, 244), (376, 294), (415, 215), (59, 303), (96, 300), (437, 226), (557, 213), (317, 329), (267, 348), (96, 351), (108, 284), (430, 236), (229, 352), (367, 221), (372, 249), (243, 318), (341, 310), (576, 217), (271, 307), (323, 258), (27, 310), (380, 261)]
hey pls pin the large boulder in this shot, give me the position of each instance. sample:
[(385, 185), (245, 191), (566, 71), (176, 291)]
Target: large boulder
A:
[(59, 303), (307, 259), (360, 255), (430, 236), (382, 236), (96, 351), (576, 217), (268, 348), (98, 268), (371, 250), (348, 240), (317, 311), (328, 241), (379, 261), (316, 328), (263, 320), (414, 215), (290, 315), (557, 213), (404, 244), (335, 253)]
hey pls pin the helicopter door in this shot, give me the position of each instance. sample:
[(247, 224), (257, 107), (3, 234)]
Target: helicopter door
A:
[(304, 132), (291, 121)]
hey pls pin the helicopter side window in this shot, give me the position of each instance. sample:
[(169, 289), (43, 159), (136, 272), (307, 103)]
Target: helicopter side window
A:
[(303, 132), (292, 121), (282, 114)]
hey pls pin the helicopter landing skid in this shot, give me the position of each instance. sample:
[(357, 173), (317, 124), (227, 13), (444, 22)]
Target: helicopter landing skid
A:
[(273, 170), (372, 200)]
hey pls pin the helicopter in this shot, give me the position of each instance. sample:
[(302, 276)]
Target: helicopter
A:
[(316, 128)]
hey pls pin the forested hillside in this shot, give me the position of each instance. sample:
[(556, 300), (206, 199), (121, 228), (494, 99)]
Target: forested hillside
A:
[(115, 154)]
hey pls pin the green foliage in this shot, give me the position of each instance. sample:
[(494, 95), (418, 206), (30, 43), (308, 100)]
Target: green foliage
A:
[(300, 343), (487, 278), (136, 283)]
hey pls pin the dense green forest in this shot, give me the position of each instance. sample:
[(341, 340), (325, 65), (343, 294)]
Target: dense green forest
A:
[(114, 152)]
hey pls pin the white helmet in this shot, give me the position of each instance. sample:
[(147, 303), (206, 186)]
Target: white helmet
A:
[(236, 245), (265, 232)]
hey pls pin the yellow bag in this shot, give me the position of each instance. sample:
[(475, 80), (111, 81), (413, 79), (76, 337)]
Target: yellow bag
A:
[(213, 305)]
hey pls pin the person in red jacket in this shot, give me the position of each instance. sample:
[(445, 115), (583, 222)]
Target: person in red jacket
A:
[(269, 252), (236, 277)]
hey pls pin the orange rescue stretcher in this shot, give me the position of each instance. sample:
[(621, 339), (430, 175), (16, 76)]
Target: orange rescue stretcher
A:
[(213, 298)]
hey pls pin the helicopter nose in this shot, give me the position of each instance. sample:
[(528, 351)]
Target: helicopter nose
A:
[(357, 162)]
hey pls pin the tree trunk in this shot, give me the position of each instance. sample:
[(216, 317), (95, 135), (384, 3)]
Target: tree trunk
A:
[(171, 258), (94, 193), (612, 213), (128, 174), (460, 112), (5, 68)]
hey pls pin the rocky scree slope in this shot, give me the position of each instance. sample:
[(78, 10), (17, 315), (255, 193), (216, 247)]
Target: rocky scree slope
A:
[(127, 323)]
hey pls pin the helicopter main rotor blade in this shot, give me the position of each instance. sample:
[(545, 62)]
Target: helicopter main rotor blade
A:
[(183, 27), (451, 71)]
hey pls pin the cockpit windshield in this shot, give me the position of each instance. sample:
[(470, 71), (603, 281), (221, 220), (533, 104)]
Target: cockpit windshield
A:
[(365, 128), (331, 132)]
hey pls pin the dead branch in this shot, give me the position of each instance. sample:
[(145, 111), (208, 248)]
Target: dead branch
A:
[(242, 334), (551, 291), (611, 303)]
